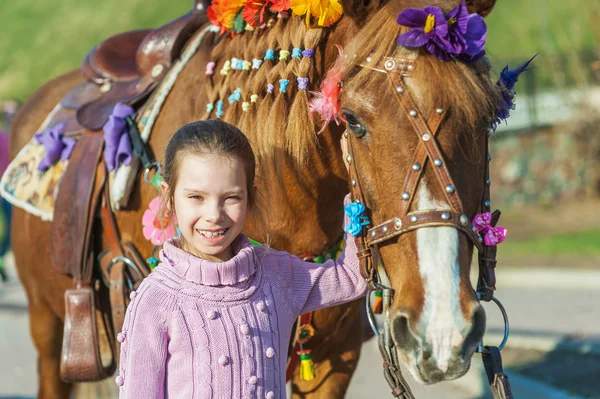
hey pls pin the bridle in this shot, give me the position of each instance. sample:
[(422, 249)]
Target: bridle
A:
[(370, 239)]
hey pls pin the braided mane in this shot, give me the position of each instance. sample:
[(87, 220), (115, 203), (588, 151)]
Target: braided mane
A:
[(275, 118)]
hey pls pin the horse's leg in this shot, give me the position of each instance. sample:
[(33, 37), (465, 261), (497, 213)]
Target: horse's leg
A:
[(335, 350), (46, 331), (45, 289)]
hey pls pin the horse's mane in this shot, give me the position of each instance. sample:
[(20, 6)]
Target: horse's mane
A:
[(277, 123)]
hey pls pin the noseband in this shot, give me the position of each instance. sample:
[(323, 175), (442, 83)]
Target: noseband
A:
[(369, 240)]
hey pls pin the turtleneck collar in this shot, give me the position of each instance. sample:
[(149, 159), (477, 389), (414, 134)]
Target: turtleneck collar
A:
[(201, 271)]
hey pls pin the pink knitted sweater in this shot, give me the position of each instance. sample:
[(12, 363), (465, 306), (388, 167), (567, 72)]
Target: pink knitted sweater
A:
[(198, 329)]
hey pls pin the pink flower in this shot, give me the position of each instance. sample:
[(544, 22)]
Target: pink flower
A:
[(157, 228)]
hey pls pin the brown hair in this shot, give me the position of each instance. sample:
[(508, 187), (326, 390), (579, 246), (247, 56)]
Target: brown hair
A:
[(212, 137)]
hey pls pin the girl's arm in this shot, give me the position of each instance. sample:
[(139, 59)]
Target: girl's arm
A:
[(143, 346), (312, 286)]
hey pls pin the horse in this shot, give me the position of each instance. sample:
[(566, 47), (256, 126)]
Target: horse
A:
[(435, 318)]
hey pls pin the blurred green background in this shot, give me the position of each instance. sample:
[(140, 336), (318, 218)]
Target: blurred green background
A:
[(42, 39)]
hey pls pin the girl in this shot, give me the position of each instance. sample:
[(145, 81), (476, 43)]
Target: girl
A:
[(214, 318)]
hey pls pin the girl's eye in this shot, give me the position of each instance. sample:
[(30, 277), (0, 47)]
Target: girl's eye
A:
[(196, 197), (233, 198)]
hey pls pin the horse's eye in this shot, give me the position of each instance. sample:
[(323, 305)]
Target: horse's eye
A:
[(354, 124)]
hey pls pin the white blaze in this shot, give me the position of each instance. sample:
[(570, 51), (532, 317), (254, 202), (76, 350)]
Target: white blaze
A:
[(442, 319)]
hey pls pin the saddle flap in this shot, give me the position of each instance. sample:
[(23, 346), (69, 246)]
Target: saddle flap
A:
[(76, 203), (82, 357)]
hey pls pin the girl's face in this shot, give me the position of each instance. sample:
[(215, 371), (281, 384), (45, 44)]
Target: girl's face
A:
[(211, 204)]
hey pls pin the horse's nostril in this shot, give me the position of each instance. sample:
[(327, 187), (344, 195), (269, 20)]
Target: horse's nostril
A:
[(403, 334), (475, 334), (426, 355)]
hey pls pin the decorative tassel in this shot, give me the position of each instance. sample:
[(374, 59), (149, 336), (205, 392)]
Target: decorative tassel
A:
[(378, 303), (307, 367)]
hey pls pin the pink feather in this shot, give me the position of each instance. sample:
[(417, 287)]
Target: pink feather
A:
[(326, 102)]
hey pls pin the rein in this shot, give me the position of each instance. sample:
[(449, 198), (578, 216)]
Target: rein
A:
[(369, 239)]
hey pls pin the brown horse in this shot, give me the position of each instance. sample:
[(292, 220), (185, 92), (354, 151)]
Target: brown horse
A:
[(435, 316)]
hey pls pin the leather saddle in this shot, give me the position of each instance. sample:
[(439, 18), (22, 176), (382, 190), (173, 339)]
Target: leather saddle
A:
[(125, 68)]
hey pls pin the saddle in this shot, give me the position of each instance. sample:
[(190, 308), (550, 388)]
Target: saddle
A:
[(125, 68)]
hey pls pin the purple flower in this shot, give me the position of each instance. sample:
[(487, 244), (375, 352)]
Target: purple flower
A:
[(455, 35), (429, 29), (56, 144), (458, 19), (475, 38), (117, 145)]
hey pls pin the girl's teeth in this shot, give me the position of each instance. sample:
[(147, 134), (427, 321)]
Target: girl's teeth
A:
[(212, 234)]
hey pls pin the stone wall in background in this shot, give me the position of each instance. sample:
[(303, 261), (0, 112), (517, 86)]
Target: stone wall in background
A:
[(547, 165)]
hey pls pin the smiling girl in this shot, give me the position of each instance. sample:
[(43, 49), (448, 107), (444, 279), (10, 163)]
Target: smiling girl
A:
[(215, 317)]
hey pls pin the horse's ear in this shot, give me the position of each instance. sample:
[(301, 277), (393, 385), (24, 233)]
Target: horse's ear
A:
[(359, 10), (481, 7)]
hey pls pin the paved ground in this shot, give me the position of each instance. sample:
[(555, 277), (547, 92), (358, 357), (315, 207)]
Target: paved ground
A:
[(534, 313)]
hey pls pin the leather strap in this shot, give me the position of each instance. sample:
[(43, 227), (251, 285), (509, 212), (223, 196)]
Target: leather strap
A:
[(418, 164), (114, 270), (426, 137), (77, 198), (492, 361)]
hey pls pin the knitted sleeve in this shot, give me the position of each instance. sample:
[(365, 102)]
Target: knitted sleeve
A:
[(312, 286), (144, 345)]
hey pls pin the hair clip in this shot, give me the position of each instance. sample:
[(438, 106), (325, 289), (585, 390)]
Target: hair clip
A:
[(296, 52), (302, 83), (283, 55), (245, 106), (253, 98), (270, 88), (283, 84), (269, 55), (219, 108), (226, 68), (210, 68), (256, 63), (210, 107), (246, 65), (308, 53)]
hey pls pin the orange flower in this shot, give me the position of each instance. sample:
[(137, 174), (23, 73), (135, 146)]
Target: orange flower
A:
[(222, 12), (327, 12)]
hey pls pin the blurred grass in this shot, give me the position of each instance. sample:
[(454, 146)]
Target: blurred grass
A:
[(42, 39), (585, 243)]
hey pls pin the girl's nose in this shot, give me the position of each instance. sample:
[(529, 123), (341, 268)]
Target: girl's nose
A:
[(214, 213)]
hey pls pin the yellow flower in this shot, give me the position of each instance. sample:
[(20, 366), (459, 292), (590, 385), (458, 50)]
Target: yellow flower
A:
[(327, 12)]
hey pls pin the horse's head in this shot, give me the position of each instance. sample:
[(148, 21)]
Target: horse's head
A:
[(417, 141)]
